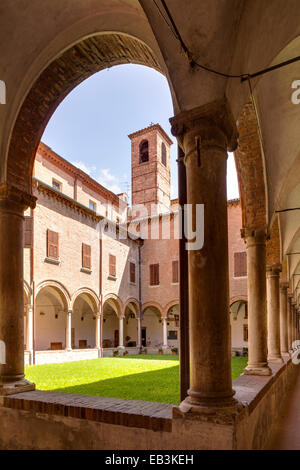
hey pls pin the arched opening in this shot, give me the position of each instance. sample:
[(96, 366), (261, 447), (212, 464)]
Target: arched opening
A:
[(173, 327), (163, 154), (111, 326), (83, 332), (239, 325), (144, 151), (51, 307), (131, 325), (152, 328)]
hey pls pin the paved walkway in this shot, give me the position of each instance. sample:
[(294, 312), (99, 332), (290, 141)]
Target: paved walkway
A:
[(286, 434)]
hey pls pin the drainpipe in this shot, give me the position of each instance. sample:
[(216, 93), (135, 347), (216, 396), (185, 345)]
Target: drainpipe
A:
[(140, 244), (101, 293)]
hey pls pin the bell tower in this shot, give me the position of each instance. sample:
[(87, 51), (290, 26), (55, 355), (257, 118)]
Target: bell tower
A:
[(150, 168)]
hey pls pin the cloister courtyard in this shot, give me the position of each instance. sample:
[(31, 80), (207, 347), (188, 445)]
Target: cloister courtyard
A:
[(148, 377)]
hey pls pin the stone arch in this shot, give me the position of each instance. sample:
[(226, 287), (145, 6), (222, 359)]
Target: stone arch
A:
[(153, 304), (27, 292), (89, 293), (169, 305), (115, 302), (242, 298), (59, 288), (132, 302), (69, 69)]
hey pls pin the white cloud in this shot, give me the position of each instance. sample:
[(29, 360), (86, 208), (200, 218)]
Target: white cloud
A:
[(109, 181), (88, 170)]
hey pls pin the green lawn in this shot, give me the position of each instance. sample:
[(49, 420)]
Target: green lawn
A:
[(150, 377)]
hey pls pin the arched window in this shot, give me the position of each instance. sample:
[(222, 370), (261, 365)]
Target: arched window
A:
[(163, 154), (144, 151)]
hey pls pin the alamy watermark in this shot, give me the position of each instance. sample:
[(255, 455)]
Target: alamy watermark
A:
[(2, 352), (296, 94), (2, 92), (295, 352), (153, 224)]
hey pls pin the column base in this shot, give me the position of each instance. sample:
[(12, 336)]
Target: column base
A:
[(19, 386), (275, 359), (219, 411), (257, 370), (285, 354), (165, 349)]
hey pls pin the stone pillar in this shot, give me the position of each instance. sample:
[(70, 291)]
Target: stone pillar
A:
[(205, 134), (29, 339), (290, 321), (293, 321), (257, 307), (273, 312), (121, 333), (139, 333), (165, 333), (68, 331), (13, 202), (98, 331), (284, 347)]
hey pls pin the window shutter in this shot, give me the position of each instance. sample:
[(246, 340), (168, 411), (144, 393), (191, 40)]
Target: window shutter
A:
[(240, 264), (132, 272), (86, 256), (175, 271), (52, 244), (28, 231), (154, 274), (112, 266)]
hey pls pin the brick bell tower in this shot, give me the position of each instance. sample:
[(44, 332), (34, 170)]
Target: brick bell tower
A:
[(150, 168)]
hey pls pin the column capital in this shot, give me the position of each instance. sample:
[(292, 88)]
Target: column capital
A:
[(284, 286), (273, 270), (13, 199), (212, 122), (254, 236)]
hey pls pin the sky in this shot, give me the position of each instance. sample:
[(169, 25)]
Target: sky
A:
[(90, 127)]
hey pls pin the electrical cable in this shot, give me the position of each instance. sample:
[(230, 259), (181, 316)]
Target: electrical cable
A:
[(243, 77)]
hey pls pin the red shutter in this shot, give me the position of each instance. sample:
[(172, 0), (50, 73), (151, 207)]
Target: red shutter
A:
[(86, 256), (52, 244), (175, 277), (28, 230), (132, 272), (154, 274), (112, 266), (240, 264)]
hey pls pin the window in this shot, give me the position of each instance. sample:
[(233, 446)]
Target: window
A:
[(28, 225), (52, 244), (92, 206), (173, 334), (112, 266), (132, 272), (163, 154), (154, 274), (56, 185), (144, 151), (240, 264), (86, 256), (245, 331), (175, 276)]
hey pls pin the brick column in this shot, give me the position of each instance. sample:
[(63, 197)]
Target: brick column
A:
[(284, 347), (273, 313), (13, 202), (257, 307), (68, 331), (205, 134)]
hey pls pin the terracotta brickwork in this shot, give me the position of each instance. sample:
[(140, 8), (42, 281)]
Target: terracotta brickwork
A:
[(273, 245), (250, 170)]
